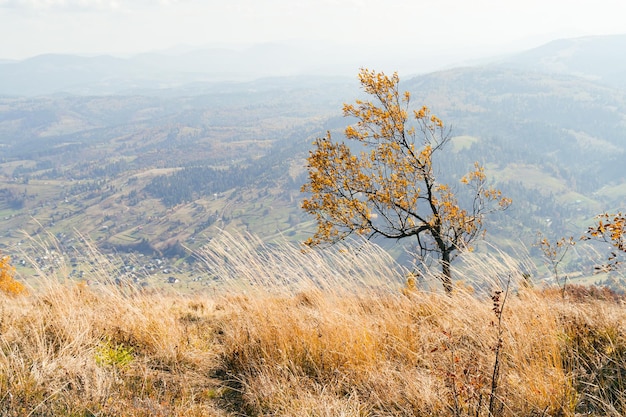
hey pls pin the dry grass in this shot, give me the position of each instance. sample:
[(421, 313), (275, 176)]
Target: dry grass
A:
[(304, 334)]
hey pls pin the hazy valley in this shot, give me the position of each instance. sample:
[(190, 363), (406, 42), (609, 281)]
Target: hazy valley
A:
[(160, 171)]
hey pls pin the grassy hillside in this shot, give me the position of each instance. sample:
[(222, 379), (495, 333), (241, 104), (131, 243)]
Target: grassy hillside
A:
[(281, 332)]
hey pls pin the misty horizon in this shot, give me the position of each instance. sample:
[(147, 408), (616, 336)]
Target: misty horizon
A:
[(176, 67)]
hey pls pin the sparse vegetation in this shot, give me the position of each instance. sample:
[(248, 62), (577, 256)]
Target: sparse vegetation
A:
[(553, 255)]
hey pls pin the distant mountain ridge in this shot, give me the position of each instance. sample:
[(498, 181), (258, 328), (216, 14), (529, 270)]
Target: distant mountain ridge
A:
[(53, 73), (598, 58)]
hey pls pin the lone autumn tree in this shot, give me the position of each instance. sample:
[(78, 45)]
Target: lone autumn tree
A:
[(390, 188)]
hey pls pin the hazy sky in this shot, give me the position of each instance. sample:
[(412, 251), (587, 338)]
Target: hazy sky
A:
[(31, 27)]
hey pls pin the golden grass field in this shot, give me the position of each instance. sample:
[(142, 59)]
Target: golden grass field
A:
[(286, 333)]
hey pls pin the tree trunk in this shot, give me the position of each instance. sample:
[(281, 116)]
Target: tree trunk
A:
[(446, 273)]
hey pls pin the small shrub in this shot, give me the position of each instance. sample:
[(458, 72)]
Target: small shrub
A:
[(8, 285), (581, 293), (118, 356)]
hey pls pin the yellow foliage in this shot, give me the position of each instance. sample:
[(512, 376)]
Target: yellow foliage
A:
[(8, 285), (610, 228)]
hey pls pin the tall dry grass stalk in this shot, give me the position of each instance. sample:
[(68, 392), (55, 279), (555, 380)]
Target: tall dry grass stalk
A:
[(74, 349), (339, 327), (291, 333), (245, 262)]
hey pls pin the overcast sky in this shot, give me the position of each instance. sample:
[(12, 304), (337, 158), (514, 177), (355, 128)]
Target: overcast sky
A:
[(118, 27)]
